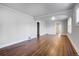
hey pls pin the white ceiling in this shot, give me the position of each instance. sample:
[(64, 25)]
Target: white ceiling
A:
[(60, 17), (39, 9)]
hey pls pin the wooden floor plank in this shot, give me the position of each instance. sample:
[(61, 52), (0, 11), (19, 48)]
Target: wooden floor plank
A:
[(47, 45)]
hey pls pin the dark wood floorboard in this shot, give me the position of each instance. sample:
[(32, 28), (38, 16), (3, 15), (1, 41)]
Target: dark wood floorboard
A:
[(47, 45)]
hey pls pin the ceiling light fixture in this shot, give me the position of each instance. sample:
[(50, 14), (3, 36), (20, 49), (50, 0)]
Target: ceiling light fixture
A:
[(53, 18)]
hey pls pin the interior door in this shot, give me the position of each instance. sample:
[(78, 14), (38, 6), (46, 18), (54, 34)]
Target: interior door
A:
[(58, 28)]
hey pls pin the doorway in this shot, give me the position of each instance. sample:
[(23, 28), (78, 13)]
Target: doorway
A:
[(38, 30), (58, 28)]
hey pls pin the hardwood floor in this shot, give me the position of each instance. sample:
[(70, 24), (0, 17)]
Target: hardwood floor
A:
[(47, 45)]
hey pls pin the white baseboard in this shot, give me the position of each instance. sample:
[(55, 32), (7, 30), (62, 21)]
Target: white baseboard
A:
[(12, 43), (72, 43)]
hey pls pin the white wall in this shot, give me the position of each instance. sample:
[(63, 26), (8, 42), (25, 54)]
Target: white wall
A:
[(75, 29), (51, 29), (64, 27), (16, 26)]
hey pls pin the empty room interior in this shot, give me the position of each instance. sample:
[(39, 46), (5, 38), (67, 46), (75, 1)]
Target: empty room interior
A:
[(39, 29)]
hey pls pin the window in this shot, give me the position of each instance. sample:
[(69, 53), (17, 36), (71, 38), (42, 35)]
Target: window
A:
[(77, 16), (70, 25)]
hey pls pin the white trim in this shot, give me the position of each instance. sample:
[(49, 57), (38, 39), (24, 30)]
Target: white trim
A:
[(73, 43), (31, 37), (9, 44)]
